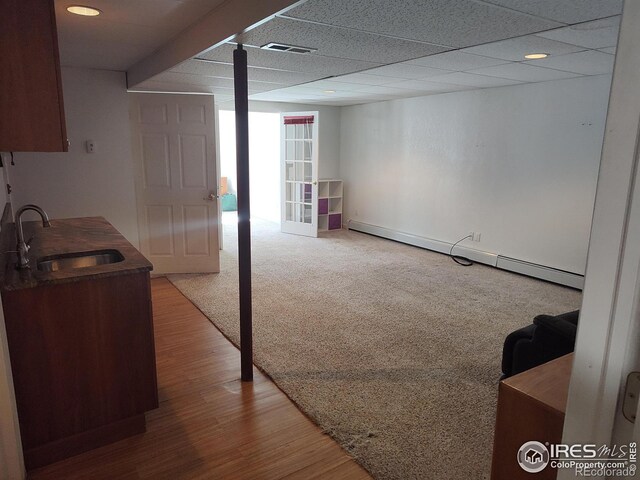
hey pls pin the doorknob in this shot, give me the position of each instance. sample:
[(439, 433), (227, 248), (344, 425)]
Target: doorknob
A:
[(211, 197)]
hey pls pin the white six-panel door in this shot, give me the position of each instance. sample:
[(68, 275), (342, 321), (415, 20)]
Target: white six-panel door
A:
[(176, 181)]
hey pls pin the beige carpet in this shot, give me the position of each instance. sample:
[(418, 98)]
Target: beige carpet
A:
[(393, 350)]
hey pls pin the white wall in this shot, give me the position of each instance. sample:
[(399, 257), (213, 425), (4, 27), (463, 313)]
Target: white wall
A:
[(518, 164), (78, 184)]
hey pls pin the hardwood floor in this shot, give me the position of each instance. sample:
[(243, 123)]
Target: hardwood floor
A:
[(209, 424)]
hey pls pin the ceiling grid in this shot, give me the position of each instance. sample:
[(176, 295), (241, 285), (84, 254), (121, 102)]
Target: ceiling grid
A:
[(364, 50)]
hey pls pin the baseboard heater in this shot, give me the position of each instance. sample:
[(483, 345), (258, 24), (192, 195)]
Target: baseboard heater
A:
[(505, 263)]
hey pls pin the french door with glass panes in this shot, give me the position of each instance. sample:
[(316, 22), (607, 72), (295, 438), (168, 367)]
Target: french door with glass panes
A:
[(299, 173)]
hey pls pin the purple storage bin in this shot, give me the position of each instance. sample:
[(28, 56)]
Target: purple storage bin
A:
[(323, 206), (335, 221)]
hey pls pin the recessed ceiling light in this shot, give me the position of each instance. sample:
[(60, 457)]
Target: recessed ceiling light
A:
[(536, 56), (328, 91), (85, 11)]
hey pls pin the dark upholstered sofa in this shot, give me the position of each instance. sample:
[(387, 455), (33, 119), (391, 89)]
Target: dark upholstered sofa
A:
[(547, 338)]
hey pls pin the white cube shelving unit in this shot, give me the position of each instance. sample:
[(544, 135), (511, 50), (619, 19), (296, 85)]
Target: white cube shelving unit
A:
[(330, 193)]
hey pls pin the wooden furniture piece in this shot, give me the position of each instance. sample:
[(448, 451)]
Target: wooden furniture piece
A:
[(329, 204), (531, 406), (31, 106), (80, 341)]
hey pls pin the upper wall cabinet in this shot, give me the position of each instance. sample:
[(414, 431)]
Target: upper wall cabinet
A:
[(31, 107)]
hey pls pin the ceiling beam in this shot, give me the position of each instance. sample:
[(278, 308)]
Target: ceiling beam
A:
[(218, 26)]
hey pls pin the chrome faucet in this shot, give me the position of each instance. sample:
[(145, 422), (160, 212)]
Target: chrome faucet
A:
[(23, 247)]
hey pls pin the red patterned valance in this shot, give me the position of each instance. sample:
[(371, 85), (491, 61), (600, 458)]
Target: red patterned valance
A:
[(302, 120)]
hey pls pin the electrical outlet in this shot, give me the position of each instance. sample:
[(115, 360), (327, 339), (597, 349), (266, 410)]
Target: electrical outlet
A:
[(472, 235), (478, 234)]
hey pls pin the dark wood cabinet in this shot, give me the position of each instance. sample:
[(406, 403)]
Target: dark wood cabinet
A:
[(83, 362), (31, 106)]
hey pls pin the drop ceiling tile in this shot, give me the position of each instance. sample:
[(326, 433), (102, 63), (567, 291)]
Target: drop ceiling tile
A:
[(269, 97), (597, 34), (286, 94), (212, 69), (456, 61), (589, 62), (610, 50), (342, 95), (458, 23), (312, 64), (278, 96), (327, 85), (364, 79), (386, 90), (382, 98), (341, 103), (523, 72), (426, 86), (337, 42), (565, 11), (473, 80), (379, 95), (301, 90), (515, 49), (334, 85), (406, 71)]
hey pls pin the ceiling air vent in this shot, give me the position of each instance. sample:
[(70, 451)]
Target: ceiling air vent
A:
[(281, 47)]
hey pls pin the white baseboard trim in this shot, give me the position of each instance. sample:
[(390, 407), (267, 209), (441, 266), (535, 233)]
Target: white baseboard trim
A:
[(423, 242), (492, 259), (540, 271)]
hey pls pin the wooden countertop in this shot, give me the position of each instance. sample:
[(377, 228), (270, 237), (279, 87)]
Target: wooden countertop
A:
[(547, 384), (66, 236)]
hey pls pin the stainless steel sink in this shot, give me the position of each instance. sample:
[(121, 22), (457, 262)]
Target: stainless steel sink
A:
[(67, 261)]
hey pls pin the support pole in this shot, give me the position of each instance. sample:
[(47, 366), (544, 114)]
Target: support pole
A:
[(244, 225)]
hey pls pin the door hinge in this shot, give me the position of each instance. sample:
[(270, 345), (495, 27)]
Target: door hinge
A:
[(631, 394)]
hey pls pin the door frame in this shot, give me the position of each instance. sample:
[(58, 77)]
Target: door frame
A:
[(216, 120), (607, 339), (11, 459)]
